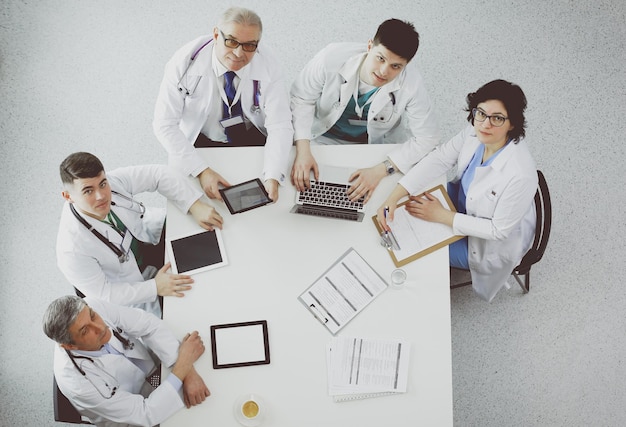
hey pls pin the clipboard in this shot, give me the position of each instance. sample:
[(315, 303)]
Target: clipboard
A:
[(343, 291), (443, 235)]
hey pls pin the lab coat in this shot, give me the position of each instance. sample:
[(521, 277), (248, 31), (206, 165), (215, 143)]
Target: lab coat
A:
[(400, 112), (500, 220), (127, 406), (179, 118), (91, 266)]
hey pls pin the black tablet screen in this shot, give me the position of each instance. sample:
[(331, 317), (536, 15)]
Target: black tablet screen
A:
[(197, 251)]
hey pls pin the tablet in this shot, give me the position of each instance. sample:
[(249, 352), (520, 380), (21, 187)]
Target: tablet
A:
[(245, 196), (240, 344), (197, 252)]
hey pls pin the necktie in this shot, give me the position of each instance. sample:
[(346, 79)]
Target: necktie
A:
[(229, 88), (114, 221)]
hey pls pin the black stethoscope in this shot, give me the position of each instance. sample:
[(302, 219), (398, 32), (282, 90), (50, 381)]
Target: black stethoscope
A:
[(256, 93), (121, 255), (107, 377)]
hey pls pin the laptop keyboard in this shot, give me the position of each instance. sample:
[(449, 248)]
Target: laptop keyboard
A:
[(329, 195)]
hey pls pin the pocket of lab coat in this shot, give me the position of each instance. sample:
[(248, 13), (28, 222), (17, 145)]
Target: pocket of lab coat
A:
[(486, 206), (384, 117)]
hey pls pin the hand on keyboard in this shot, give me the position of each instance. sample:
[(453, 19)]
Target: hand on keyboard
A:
[(365, 181)]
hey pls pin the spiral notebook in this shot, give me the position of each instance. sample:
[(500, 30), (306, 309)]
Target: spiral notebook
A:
[(360, 368)]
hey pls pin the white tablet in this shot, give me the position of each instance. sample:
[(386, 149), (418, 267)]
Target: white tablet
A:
[(198, 252), (240, 344)]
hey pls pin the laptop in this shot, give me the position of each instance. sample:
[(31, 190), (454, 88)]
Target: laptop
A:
[(328, 197)]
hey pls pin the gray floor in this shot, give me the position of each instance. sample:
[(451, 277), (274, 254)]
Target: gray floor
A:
[(79, 75)]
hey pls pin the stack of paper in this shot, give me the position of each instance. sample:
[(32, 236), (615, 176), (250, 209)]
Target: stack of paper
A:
[(359, 368)]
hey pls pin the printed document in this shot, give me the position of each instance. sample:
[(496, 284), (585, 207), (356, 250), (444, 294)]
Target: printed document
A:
[(345, 289), (367, 367), (417, 237)]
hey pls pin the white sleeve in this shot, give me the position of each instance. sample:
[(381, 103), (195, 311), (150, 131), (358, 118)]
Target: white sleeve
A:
[(305, 91), (168, 114), (277, 122), (149, 178), (83, 271), (422, 124), (435, 164)]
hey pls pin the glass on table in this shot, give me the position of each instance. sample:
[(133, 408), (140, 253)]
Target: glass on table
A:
[(398, 277)]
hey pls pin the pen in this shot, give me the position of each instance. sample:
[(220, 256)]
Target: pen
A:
[(385, 214)]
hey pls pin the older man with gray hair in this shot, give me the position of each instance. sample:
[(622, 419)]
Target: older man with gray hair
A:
[(105, 354), (225, 89)]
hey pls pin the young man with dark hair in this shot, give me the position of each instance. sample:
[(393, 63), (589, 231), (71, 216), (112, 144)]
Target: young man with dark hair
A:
[(375, 96), (103, 227)]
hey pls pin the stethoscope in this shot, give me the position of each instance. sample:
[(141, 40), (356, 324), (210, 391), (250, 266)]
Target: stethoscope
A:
[(111, 388), (121, 255), (256, 93), (141, 210)]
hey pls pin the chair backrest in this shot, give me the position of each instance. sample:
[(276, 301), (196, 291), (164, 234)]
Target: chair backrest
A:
[(543, 206), (64, 411)]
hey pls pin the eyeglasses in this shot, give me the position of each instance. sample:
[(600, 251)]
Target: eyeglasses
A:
[(496, 121), (234, 44)]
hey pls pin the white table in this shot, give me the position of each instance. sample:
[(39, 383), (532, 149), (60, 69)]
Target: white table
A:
[(273, 257)]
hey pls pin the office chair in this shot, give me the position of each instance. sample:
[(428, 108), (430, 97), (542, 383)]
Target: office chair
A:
[(543, 206), (64, 411)]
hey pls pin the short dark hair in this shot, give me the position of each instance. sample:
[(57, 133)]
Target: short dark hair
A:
[(399, 37), (60, 315), (513, 98), (80, 165)]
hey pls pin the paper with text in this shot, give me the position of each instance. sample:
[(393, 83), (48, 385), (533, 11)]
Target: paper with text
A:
[(358, 366), (414, 234), (417, 237), (345, 289)]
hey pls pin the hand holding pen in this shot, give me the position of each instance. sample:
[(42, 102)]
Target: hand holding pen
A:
[(385, 213), (388, 239)]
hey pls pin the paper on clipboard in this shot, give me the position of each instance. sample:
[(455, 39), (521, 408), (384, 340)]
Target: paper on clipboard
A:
[(343, 291), (417, 237)]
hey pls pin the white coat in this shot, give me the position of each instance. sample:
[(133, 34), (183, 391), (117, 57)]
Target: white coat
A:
[(500, 220), (400, 112), (127, 406), (91, 266), (179, 118)]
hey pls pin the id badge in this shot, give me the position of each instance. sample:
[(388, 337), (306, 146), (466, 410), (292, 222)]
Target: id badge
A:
[(235, 120), (357, 122), (126, 242)]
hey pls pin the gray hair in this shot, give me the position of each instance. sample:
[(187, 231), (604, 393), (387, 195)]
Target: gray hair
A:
[(60, 315), (242, 16)]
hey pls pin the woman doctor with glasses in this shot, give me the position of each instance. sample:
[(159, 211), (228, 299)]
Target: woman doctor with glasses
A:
[(493, 188)]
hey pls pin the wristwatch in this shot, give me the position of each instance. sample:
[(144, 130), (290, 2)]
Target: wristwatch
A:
[(389, 167)]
